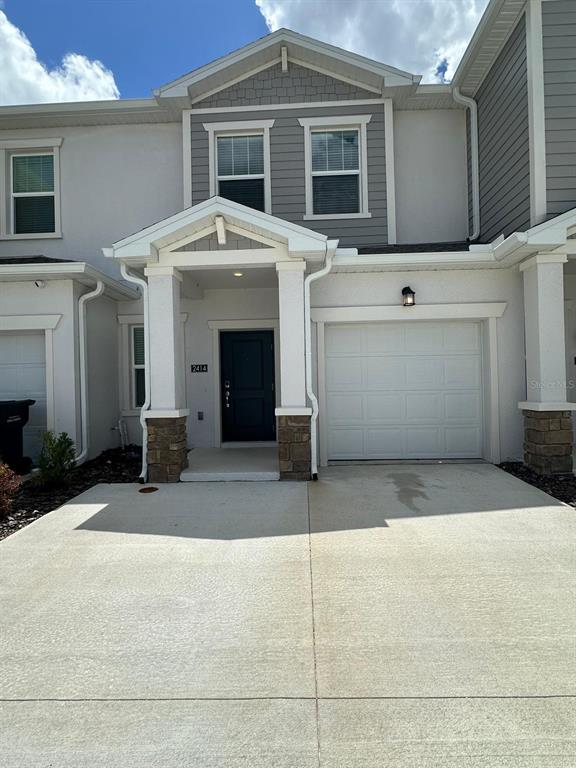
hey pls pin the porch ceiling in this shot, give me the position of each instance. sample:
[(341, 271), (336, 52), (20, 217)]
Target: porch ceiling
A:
[(225, 279)]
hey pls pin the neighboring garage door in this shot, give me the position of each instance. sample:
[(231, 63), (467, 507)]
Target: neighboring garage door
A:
[(23, 375), (404, 390)]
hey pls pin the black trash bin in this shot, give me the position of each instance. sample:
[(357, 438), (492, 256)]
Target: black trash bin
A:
[(13, 418)]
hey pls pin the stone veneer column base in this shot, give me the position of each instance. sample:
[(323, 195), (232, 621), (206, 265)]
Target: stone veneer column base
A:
[(548, 442), (294, 447), (167, 449)]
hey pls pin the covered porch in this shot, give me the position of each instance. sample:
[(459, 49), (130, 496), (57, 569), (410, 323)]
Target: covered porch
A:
[(225, 343)]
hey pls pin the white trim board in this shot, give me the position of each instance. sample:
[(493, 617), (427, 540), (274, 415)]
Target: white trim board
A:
[(390, 171), (29, 322), (289, 105), (398, 313)]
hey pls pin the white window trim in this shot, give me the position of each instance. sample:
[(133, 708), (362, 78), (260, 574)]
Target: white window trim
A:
[(133, 368), (239, 128), (8, 149), (358, 122)]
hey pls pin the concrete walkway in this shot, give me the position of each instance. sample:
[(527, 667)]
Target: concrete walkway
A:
[(418, 616)]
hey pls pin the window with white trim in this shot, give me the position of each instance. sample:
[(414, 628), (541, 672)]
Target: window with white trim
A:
[(29, 188), (239, 162), (32, 206), (138, 367), (240, 169), (336, 167), (335, 171)]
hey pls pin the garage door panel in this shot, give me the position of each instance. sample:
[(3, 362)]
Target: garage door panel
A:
[(346, 443), (385, 443), (463, 441), (387, 340), (424, 372), (406, 390), (385, 407), (424, 339), (341, 372), (424, 442), (461, 337), (462, 372), (343, 341), (424, 406), (384, 372), (460, 406), (23, 376), (347, 409)]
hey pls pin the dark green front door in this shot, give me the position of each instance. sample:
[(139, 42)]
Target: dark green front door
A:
[(247, 385)]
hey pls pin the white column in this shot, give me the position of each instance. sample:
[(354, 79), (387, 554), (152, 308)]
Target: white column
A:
[(166, 353), (544, 331), (292, 352)]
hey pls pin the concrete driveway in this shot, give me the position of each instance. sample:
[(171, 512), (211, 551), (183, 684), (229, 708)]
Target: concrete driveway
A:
[(418, 616)]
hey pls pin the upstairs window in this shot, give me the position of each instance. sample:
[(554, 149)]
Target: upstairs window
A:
[(33, 198), (335, 172), (30, 188), (336, 167), (240, 161)]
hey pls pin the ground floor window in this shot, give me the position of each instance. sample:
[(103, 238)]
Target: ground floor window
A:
[(138, 364)]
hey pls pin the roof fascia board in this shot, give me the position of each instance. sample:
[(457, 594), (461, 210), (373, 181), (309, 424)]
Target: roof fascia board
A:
[(81, 107), (490, 14), (75, 270), (180, 86)]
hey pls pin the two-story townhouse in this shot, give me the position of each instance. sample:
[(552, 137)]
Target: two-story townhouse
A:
[(295, 255)]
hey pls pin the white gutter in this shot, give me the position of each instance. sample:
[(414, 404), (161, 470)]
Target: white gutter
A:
[(330, 251), (139, 281), (469, 102), (98, 291)]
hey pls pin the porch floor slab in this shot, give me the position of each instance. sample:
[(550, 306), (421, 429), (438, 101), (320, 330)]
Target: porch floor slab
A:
[(231, 464)]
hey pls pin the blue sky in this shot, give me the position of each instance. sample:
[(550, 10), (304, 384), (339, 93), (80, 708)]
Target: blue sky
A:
[(144, 43), (71, 50)]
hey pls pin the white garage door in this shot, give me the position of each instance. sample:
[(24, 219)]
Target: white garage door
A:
[(404, 390), (23, 375)]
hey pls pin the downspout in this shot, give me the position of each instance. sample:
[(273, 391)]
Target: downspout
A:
[(308, 351), (82, 301), (469, 102), (143, 285)]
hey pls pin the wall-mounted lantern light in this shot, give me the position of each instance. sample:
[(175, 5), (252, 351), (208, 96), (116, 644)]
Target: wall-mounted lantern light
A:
[(408, 297)]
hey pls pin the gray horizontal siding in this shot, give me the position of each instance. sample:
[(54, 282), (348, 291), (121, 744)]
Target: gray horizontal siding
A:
[(559, 48), (503, 141), (288, 174), (272, 86)]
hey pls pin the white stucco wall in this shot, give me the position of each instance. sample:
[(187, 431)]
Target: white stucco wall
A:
[(56, 298), (430, 168), (115, 180), (452, 286), (103, 392)]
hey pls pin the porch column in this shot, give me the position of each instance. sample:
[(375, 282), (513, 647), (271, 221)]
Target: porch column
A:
[(166, 419), (293, 415), (547, 414)]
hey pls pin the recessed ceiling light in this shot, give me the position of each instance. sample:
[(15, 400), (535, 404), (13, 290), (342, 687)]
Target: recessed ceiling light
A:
[(238, 274)]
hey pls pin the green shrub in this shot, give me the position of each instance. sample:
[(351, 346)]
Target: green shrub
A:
[(9, 484), (56, 459)]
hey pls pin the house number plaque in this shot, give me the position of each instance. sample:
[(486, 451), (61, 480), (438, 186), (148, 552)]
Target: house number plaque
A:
[(199, 367)]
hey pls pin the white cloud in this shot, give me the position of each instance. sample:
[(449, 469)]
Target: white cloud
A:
[(415, 35), (25, 80)]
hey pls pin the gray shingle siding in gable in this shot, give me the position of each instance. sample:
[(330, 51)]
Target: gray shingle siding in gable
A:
[(559, 48), (272, 86), (288, 175), (503, 141)]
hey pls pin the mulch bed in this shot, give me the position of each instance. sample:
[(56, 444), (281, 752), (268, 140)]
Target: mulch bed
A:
[(113, 466), (562, 487)]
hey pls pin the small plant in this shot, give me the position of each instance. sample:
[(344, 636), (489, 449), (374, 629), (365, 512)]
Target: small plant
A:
[(56, 459), (9, 484)]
